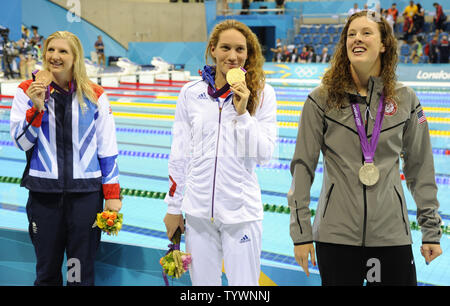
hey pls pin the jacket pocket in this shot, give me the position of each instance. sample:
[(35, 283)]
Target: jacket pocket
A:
[(328, 200), (401, 208)]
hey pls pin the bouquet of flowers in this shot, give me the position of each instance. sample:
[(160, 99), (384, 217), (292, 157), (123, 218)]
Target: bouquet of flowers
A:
[(109, 222), (175, 263)]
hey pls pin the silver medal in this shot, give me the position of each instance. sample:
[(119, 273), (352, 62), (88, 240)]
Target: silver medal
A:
[(369, 174)]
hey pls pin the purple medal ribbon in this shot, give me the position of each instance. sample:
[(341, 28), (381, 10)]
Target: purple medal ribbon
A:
[(368, 149), (58, 88), (217, 93)]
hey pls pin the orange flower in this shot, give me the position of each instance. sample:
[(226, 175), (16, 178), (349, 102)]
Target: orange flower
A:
[(110, 222), (113, 216), (105, 215)]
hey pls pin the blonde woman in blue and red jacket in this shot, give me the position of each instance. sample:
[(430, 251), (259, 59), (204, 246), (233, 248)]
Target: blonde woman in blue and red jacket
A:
[(68, 133)]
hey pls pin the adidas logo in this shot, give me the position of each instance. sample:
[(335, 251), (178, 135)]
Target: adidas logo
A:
[(244, 239), (202, 96)]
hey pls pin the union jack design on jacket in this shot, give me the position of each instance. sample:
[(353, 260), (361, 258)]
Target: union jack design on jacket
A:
[(67, 150)]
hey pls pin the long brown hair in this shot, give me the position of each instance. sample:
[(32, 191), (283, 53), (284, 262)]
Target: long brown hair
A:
[(338, 80), (84, 84), (254, 77)]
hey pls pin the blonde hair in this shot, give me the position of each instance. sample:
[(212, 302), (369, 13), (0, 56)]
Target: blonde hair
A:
[(83, 83), (254, 78), (338, 80)]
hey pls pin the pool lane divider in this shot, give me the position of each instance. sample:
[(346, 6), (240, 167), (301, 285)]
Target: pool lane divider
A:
[(161, 195), (281, 124), (442, 179), (300, 104), (161, 83), (281, 112), (140, 89), (172, 98)]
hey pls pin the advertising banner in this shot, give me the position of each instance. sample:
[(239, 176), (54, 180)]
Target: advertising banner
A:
[(413, 74)]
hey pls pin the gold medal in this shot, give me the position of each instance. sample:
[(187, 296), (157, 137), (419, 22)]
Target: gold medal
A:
[(235, 75), (369, 174), (45, 77)]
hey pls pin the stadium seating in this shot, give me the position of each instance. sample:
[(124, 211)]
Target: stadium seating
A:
[(319, 36)]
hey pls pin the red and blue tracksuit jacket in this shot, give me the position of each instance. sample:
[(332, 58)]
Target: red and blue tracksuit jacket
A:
[(67, 149)]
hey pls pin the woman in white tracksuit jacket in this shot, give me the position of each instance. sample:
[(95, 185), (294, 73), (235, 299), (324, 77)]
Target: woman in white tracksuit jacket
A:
[(221, 132)]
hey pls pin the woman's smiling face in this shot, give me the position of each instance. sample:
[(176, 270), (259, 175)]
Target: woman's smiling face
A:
[(59, 58), (230, 51), (364, 44)]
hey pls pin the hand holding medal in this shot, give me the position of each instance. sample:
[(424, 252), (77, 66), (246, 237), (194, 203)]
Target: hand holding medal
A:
[(236, 78), (45, 77), (38, 88)]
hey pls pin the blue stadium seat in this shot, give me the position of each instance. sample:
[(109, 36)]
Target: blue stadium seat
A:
[(316, 39), (297, 39), (322, 29), (304, 29), (314, 29), (404, 50), (307, 39), (339, 28), (318, 49), (325, 39), (331, 29), (427, 27), (331, 49), (335, 39)]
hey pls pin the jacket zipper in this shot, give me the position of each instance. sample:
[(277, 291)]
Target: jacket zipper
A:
[(401, 207), (298, 220), (328, 200), (215, 162)]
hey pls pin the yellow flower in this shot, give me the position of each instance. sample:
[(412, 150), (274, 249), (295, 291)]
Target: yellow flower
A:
[(99, 221)]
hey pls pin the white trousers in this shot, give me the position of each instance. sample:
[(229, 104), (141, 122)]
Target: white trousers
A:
[(239, 245)]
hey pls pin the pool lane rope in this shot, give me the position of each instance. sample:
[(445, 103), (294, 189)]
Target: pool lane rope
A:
[(161, 195), (442, 179)]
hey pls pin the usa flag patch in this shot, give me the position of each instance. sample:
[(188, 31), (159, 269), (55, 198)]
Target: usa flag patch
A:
[(421, 116)]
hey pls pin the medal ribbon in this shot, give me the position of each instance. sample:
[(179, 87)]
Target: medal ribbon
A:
[(367, 148), (208, 75), (217, 93)]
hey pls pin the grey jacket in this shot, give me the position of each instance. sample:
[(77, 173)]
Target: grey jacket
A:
[(349, 212)]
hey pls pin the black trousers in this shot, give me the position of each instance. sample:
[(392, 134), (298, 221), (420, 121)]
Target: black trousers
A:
[(344, 265), (60, 223)]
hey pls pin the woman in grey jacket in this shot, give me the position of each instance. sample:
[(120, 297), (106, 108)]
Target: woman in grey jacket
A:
[(363, 121)]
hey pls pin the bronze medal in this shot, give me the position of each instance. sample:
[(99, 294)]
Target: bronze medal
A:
[(45, 77)]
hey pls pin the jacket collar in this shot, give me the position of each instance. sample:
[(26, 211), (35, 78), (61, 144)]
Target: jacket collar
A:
[(374, 90)]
